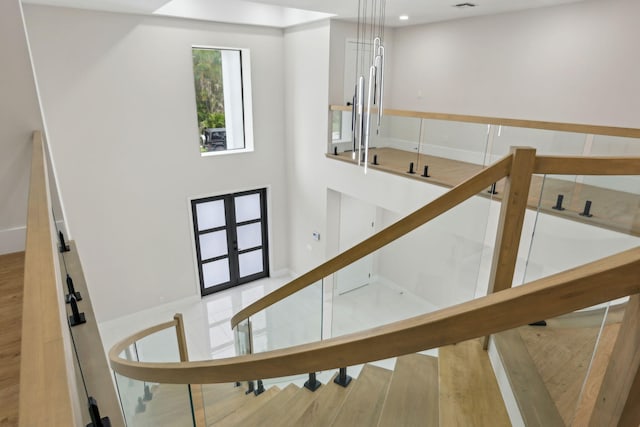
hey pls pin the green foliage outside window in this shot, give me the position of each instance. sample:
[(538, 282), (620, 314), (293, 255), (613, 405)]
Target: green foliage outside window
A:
[(207, 73)]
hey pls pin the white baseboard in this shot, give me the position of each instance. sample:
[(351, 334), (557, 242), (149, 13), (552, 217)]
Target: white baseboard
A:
[(12, 240), (284, 272)]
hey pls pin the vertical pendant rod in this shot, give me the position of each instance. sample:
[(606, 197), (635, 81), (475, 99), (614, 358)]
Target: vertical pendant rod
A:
[(372, 77), (360, 116), (381, 85)]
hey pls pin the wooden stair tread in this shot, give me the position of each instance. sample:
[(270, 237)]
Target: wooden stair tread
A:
[(275, 407), (296, 407), (252, 404), (536, 405), (469, 393), (212, 393), (323, 408), (364, 403), (412, 398), (219, 409)]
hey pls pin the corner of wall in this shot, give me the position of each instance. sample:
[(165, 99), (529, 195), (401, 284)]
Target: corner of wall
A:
[(12, 240)]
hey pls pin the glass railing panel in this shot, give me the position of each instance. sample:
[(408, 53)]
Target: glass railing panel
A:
[(294, 320), (395, 147), (554, 355), (145, 404), (545, 365), (161, 346), (546, 142), (607, 146), (597, 365), (561, 240), (464, 142), (440, 264), (614, 200), (242, 337), (341, 133)]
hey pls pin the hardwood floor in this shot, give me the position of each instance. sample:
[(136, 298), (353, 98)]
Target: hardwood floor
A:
[(562, 352), (11, 283), (613, 210)]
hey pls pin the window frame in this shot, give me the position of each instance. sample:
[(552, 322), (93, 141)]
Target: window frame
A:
[(247, 99)]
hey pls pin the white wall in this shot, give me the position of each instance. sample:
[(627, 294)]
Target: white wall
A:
[(306, 74), (19, 117), (441, 260), (119, 101), (572, 63)]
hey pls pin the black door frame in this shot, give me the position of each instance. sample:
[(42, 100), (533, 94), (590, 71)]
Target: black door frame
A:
[(232, 241)]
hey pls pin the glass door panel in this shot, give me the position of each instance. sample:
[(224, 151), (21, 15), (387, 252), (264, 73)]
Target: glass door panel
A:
[(248, 207), (251, 263), (213, 245), (216, 273), (249, 236), (210, 215)]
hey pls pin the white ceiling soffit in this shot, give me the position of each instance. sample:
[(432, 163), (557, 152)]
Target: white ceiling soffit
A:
[(127, 6), (231, 11), (241, 12), (286, 13), (419, 11)]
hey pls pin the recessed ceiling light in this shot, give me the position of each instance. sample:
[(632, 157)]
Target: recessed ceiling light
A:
[(404, 17), (464, 5)]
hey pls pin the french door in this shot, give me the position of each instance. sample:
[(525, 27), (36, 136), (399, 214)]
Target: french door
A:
[(231, 239)]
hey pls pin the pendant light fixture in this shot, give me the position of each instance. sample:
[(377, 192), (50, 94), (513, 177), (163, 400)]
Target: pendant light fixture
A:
[(369, 76)]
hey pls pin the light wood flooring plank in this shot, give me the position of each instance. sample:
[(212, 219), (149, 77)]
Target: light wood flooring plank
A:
[(237, 417), (596, 375), (274, 409), (221, 401), (296, 407), (537, 407), (614, 210), (325, 406), (562, 352), (412, 398), (11, 283), (469, 393), (364, 404)]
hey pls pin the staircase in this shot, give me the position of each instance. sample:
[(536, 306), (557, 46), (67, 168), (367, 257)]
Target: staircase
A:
[(456, 389)]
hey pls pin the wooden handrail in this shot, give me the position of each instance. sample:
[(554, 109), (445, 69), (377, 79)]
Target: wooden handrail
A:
[(447, 201), (45, 389), (531, 124), (600, 281), (571, 165), (144, 333)]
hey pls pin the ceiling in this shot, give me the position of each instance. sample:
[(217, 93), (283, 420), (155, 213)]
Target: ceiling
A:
[(286, 13)]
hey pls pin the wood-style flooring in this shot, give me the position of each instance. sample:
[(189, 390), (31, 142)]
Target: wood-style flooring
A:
[(613, 210), (11, 284), (562, 352)]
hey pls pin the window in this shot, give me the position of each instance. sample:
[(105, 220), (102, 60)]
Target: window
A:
[(231, 239), (223, 99)]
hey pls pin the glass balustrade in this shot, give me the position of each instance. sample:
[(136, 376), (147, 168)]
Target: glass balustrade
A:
[(558, 362), (147, 403), (437, 265), (457, 141)]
